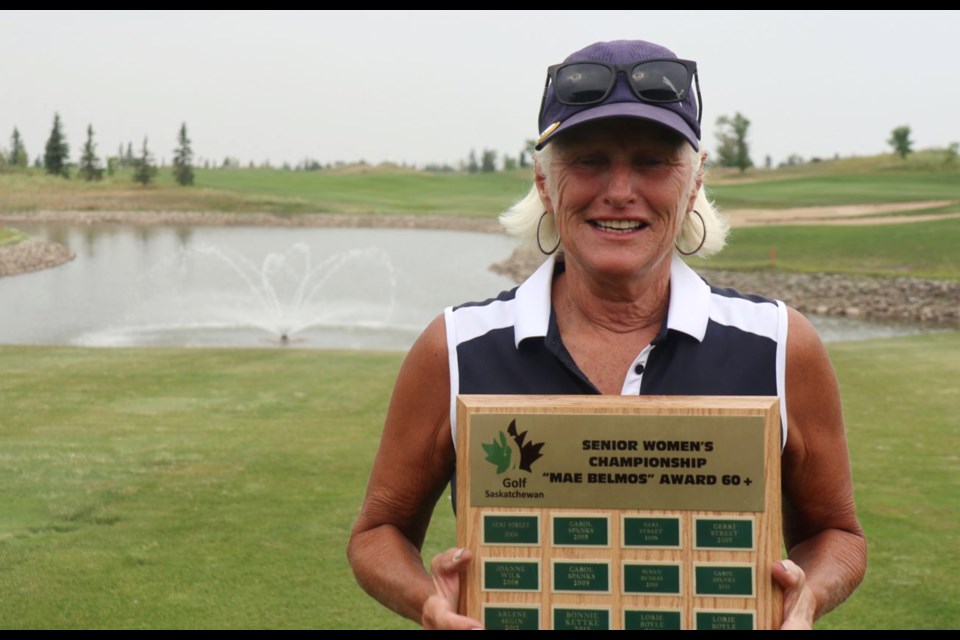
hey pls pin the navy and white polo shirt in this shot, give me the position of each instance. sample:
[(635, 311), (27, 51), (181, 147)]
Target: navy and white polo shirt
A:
[(715, 342)]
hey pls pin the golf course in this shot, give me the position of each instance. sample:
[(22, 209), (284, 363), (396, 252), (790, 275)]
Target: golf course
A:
[(176, 488)]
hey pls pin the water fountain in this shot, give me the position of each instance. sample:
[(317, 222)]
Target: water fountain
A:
[(292, 294), (210, 294)]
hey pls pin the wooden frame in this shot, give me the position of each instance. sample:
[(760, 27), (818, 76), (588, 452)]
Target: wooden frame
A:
[(649, 512)]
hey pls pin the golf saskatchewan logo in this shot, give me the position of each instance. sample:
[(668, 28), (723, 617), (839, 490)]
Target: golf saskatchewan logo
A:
[(505, 455)]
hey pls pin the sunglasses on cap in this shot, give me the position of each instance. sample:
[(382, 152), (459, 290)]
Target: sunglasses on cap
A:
[(654, 81)]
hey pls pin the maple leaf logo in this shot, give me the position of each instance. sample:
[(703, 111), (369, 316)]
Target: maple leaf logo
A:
[(529, 451), (498, 453)]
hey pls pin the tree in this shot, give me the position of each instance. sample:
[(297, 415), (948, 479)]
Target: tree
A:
[(183, 159), (488, 162), (529, 148), (951, 154), (472, 165), (901, 142), (90, 164), (144, 171), (733, 149), (57, 152), (18, 153)]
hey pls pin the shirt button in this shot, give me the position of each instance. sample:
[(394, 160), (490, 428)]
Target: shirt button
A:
[(638, 369)]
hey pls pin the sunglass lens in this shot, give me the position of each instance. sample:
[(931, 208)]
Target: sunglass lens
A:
[(660, 81), (583, 83)]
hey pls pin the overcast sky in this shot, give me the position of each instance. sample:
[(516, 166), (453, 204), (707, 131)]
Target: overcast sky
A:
[(426, 87)]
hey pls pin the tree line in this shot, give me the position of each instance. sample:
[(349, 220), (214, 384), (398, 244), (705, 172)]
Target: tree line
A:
[(56, 157), (733, 149)]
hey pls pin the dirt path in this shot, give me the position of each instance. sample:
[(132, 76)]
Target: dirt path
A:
[(839, 215)]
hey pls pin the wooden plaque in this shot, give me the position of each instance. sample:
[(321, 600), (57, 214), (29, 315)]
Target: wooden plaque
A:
[(619, 512)]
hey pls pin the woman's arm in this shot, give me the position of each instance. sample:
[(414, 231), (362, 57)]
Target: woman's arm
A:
[(411, 470), (822, 533)]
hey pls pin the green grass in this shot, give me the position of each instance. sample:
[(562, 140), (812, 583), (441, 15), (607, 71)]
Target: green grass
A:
[(379, 191), (920, 249), (900, 401), (216, 488), (11, 236), (350, 190), (182, 489), (775, 192)]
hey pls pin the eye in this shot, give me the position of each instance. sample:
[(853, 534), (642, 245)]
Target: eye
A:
[(650, 161), (591, 160)]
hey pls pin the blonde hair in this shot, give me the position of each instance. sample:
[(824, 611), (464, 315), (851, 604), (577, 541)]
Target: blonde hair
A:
[(523, 219)]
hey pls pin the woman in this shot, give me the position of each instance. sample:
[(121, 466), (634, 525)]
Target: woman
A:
[(618, 193)]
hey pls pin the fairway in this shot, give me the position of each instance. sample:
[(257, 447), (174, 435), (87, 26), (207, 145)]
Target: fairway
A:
[(162, 488), (166, 488)]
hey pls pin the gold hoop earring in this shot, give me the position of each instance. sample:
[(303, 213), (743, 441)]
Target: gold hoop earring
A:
[(703, 238), (555, 247)]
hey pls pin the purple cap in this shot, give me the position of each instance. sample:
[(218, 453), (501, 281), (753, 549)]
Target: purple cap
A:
[(622, 102)]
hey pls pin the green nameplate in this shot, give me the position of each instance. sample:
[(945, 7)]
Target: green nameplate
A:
[(574, 531), (724, 533), (651, 578), (638, 620), (721, 621), (511, 575), (499, 529), (511, 618), (581, 576), (651, 532), (721, 580), (570, 619)]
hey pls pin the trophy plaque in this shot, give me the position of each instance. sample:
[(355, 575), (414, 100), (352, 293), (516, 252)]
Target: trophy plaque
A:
[(619, 512)]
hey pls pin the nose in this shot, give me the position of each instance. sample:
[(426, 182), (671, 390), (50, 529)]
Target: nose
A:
[(620, 191)]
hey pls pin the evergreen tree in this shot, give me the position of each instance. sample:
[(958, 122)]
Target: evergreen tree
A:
[(128, 159), (488, 162), (18, 153), (90, 164), (144, 171), (57, 152), (183, 159)]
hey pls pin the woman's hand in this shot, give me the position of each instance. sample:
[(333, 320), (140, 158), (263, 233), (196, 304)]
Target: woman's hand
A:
[(440, 609), (799, 604)]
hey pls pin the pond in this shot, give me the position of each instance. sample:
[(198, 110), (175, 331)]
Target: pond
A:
[(265, 287), (247, 286)]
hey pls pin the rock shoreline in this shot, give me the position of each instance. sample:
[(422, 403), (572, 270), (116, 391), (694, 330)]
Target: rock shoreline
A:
[(932, 302), (32, 255)]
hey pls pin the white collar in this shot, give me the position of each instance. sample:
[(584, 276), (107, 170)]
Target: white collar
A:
[(688, 312)]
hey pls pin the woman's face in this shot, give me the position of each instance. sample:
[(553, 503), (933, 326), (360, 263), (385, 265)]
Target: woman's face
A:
[(619, 189)]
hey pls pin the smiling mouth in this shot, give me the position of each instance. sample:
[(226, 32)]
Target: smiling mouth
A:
[(618, 226)]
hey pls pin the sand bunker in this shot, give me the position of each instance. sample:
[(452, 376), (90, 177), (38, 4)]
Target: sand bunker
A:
[(854, 214)]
